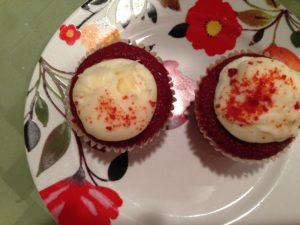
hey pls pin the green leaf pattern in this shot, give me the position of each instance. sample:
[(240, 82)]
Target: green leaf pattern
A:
[(55, 146), (295, 38), (255, 17), (41, 110)]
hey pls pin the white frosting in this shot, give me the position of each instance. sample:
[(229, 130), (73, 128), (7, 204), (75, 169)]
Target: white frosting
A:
[(115, 99), (273, 118)]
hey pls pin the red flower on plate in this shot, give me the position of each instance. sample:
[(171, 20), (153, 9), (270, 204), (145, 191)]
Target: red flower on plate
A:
[(69, 33), (75, 201), (213, 26)]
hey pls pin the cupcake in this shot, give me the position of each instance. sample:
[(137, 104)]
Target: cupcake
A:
[(248, 106), (119, 98)]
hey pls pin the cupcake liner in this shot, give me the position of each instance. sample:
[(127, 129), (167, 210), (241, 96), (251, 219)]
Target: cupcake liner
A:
[(94, 145), (203, 130)]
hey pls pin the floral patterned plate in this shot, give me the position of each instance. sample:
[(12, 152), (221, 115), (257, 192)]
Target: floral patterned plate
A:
[(178, 179)]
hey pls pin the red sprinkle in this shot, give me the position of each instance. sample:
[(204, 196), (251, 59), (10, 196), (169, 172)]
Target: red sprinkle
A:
[(250, 63), (257, 92), (297, 106), (125, 97), (232, 72), (233, 81), (152, 103), (114, 116)]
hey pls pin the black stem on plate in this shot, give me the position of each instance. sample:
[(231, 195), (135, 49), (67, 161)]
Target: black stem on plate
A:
[(86, 3), (287, 19), (79, 146), (83, 160), (45, 63), (35, 87), (48, 95), (86, 19), (58, 82), (30, 113), (293, 21), (275, 29), (82, 157), (273, 3)]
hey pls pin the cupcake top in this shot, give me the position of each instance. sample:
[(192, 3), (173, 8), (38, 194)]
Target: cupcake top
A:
[(115, 99), (257, 100)]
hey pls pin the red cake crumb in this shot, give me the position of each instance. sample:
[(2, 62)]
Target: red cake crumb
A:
[(164, 94), (213, 129), (232, 72)]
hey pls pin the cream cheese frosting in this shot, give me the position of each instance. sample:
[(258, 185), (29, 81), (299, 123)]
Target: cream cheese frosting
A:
[(257, 100), (115, 99)]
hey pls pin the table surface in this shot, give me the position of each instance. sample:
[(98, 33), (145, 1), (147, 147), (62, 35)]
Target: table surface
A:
[(26, 26)]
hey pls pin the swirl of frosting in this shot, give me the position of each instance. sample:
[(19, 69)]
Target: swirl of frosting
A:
[(115, 99), (257, 100)]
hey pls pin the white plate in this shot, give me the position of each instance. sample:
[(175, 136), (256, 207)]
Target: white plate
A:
[(178, 179)]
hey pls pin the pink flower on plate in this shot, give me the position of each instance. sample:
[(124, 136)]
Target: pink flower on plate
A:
[(75, 201), (184, 88), (69, 33)]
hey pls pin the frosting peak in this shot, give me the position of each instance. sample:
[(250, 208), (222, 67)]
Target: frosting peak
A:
[(256, 100)]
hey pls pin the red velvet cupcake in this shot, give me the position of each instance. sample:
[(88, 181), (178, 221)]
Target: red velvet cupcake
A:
[(247, 106), (119, 98)]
